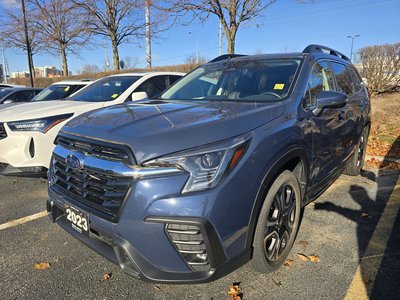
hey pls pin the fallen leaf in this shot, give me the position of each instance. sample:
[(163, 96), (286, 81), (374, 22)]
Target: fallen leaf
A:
[(42, 265), (303, 257), (107, 276), (234, 290), (364, 216), (314, 258), (288, 263), (303, 243)]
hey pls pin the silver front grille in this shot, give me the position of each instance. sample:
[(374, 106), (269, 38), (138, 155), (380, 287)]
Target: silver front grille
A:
[(101, 190)]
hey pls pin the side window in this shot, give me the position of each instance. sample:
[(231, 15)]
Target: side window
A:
[(342, 78), (21, 96), (153, 86), (355, 79), (320, 80), (173, 79)]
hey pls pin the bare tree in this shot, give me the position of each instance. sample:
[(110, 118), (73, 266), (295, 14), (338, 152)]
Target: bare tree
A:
[(380, 66), (231, 13), (130, 62), (12, 34), (117, 19), (90, 69), (61, 26)]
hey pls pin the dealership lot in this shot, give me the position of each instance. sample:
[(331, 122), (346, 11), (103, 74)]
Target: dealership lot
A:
[(356, 217)]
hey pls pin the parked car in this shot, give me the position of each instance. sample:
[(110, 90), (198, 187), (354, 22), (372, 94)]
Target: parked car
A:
[(17, 95), (61, 90), (213, 173), (27, 131)]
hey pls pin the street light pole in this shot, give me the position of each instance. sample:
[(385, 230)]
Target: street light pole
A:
[(352, 37)]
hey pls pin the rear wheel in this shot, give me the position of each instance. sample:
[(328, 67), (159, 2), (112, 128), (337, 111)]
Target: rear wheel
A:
[(356, 163), (277, 224)]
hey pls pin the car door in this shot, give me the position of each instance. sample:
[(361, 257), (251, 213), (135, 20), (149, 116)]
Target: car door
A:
[(351, 113), (323, 130)]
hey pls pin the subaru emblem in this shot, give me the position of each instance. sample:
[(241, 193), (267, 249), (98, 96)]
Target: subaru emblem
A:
[(74, 161)]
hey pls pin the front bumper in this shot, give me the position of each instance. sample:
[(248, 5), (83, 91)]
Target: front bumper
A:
[(106, 239), (26, 153)]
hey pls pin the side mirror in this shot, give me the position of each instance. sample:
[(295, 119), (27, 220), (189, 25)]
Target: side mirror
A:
[(8, 101), (329, 99), (139, 96)]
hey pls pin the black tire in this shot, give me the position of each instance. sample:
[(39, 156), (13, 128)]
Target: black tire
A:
[(277, 224), (356, 163)]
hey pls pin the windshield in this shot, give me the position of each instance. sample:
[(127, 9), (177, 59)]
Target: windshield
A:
[(5, 92), (237, 80), (55, 92), (106, 89)]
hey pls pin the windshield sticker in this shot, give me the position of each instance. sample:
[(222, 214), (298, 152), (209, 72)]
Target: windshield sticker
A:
[(279, 86), (114, 96), (66, 89)]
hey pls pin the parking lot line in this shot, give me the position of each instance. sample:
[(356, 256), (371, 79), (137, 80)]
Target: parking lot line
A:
[(23, 220), (363, 281)]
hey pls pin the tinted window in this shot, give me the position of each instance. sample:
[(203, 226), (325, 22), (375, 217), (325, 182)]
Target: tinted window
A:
[(342, 78), (238, 79), (321, 79), (21, 96), (173, 79), (355, 79), (105, 89), (153, 86)]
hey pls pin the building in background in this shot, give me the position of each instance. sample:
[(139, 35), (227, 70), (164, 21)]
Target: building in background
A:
[(46, 71)]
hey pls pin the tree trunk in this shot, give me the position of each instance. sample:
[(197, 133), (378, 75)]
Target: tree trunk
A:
[(33, 66), (115, 53), (231, 46), (64, 60)]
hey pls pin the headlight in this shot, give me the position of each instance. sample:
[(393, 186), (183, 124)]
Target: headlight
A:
[(206, 165), (42, 125)]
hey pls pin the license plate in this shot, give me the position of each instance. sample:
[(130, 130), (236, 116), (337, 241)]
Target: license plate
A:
[(78, 220)]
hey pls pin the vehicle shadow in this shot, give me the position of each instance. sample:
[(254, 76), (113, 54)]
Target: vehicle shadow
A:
[(378, 231)]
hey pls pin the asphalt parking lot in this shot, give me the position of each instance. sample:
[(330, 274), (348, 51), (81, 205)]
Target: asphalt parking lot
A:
[(354, 229)]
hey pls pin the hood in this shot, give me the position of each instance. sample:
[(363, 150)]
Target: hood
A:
[(156, 128), (41, 109)]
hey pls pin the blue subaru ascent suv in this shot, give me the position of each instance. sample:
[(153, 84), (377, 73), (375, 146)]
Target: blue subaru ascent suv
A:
[(214, 172)]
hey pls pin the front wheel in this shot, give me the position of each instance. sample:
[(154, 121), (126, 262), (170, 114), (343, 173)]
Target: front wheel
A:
[(277, 224)]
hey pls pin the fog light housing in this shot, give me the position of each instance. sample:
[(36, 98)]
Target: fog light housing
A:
[(189, 241)]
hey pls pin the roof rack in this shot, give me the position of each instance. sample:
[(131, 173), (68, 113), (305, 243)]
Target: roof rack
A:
[(85, 80), (324, 49), (225, 56)]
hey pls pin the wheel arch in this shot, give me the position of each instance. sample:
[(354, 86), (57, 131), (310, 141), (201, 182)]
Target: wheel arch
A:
[(295, 160)]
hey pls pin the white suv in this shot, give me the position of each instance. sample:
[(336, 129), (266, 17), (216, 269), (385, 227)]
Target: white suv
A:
[(27, 131)]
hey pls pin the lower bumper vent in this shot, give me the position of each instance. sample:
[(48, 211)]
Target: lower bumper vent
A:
[(190, 243)]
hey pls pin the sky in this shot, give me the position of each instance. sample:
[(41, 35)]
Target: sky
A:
[(287, 26)]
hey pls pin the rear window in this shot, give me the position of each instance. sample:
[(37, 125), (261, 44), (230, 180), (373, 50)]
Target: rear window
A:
[(355, 79), (238, 80), (342, 78)]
